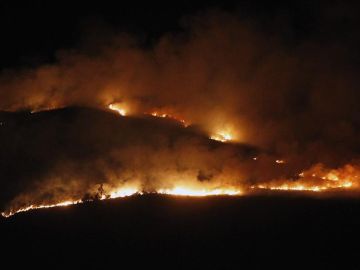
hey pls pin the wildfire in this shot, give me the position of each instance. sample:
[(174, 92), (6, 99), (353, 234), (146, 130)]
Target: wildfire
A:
[(300, 187), (45, 109), (199, 192), (169, 116), (130, 191), (117, 108), (123, 192), (115, 193), (222, 137), (317, 179), (41, 206)]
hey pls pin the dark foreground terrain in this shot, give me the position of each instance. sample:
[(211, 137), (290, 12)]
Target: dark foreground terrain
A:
[(171, 232)]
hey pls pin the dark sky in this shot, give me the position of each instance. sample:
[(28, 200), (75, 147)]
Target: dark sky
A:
[(33, 31)]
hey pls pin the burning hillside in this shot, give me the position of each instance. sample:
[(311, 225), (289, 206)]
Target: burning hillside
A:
[(67, 155), (73, 155), (222, 109)]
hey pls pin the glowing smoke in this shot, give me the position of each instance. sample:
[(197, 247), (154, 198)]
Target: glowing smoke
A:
[(225, 79)]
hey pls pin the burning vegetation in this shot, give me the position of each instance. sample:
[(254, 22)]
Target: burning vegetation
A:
[(146, 156), (317, 179), (222, 110)]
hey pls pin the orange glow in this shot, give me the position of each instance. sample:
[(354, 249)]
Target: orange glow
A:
[(118, 108), (133, 190), (222, 136), (317, 179), (123, 192), (169, 116), (45, 109), (199, 192), (41, 206), (115, 193), (300, 187)]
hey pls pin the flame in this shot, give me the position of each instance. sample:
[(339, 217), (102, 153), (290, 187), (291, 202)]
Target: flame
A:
[(169, 116), (115, 193), (222, 136), (199, 192), (41, 206), (317, 179), (118, 108), (122, 192), (300, 187)]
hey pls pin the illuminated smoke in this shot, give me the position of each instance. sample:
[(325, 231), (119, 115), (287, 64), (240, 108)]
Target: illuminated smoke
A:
[(185, 114), (318, 179), (222, 137)]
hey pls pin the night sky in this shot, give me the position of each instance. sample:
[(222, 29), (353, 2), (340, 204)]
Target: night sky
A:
[(32, 31)]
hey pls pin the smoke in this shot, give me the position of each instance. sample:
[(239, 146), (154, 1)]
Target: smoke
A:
[(67, 154), (294, 102)]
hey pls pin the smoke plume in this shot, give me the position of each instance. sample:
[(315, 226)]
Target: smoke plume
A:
[(292, 102)]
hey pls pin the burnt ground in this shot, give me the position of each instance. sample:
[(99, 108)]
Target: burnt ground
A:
[(173, 232)]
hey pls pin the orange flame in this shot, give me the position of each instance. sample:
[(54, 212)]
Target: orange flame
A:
[(317, 179), (118, 108), (169, 116), (199, 192), (41, 206), (222, 137), (134, 190)]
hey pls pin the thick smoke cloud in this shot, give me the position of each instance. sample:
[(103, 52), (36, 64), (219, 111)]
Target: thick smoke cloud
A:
[(67, 154), (294, 102), (221, 74)]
